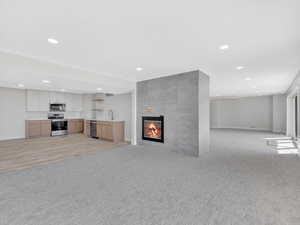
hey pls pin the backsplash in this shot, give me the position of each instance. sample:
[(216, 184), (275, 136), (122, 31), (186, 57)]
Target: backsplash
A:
[(44, 115)]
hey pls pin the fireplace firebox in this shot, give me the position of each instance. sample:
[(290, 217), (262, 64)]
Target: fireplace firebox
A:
[(153, 128)]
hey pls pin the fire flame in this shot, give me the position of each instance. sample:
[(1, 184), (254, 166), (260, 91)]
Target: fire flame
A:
[(152, 130)]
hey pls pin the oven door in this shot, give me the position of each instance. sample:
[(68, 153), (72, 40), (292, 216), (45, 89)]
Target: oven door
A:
[(59, 127)]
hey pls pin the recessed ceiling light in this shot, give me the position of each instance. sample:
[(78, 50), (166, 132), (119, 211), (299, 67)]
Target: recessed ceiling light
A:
[(46, 81), (99, 89), (224, 47), (20, 85), (254, 87), (248, 78), (63, 90), (139, 69), (239, 67), (53, 41)]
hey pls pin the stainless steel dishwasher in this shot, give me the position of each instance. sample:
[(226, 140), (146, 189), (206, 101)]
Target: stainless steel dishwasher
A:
[(93, 131)]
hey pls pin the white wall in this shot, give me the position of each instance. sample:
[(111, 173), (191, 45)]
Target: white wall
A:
[(121, 105), (279, 113), (87, 106), (12, 113), (243, 113)]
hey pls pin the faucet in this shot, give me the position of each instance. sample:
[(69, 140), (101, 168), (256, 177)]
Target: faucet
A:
[(111, 113)]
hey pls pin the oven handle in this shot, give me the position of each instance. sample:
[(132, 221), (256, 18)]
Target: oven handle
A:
[(59, 120)]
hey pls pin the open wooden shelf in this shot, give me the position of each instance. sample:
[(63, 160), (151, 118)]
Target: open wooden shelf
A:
[(98, 99)]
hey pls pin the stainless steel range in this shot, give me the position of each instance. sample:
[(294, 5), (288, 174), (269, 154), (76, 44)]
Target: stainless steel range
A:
[(59, 125)]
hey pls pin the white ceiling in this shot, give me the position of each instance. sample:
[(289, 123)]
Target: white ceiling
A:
[(102, 42)]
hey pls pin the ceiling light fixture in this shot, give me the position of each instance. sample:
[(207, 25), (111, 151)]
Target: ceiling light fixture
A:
[(239, 67), (224, 47), (139, 69), (52, 41), (63, 90), (46, 81), (99, 89), (20, 85), (254, 87), (248, 78)]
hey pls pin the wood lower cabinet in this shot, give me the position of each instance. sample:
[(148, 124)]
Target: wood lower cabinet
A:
[(107, 130), (79, 126), (118, 130), (99, 130), (87, 128), (75, 126), (42, 128), (71, 126), (38, 128), (45, 128)]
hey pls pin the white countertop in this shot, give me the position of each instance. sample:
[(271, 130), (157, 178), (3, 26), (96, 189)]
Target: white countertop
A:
[(79, 119), (106, 120), (49, 119), (37, 119)]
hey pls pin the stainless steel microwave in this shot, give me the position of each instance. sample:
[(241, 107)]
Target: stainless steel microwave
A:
[(57, 107)]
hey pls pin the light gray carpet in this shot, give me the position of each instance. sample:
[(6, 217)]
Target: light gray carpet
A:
[(241, 182)]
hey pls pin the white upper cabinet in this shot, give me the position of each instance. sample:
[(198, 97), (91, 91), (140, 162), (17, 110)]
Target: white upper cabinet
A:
[(44, 101), (60, 97), (56, 97), (69, 102), (39, 101), (52, 97)]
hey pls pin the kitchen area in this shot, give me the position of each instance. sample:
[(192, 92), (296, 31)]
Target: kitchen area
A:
[(101, 116)]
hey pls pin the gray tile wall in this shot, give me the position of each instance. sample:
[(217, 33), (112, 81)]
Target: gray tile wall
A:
[(177, 99)]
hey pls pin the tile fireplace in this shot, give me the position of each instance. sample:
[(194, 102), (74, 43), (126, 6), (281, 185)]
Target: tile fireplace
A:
[(153, 128)]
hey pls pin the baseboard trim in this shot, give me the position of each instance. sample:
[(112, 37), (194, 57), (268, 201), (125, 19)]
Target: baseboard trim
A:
[(278, 132), (11, 138), (244, 128)]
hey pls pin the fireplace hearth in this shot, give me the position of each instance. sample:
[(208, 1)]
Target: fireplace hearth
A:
[(153, 128)]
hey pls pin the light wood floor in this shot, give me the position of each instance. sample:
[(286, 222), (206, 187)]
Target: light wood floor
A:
[(27, 153)]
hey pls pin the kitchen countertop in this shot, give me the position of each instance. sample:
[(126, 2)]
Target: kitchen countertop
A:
[(106, 120), (50, 119), (80, 119), (36, 119)]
